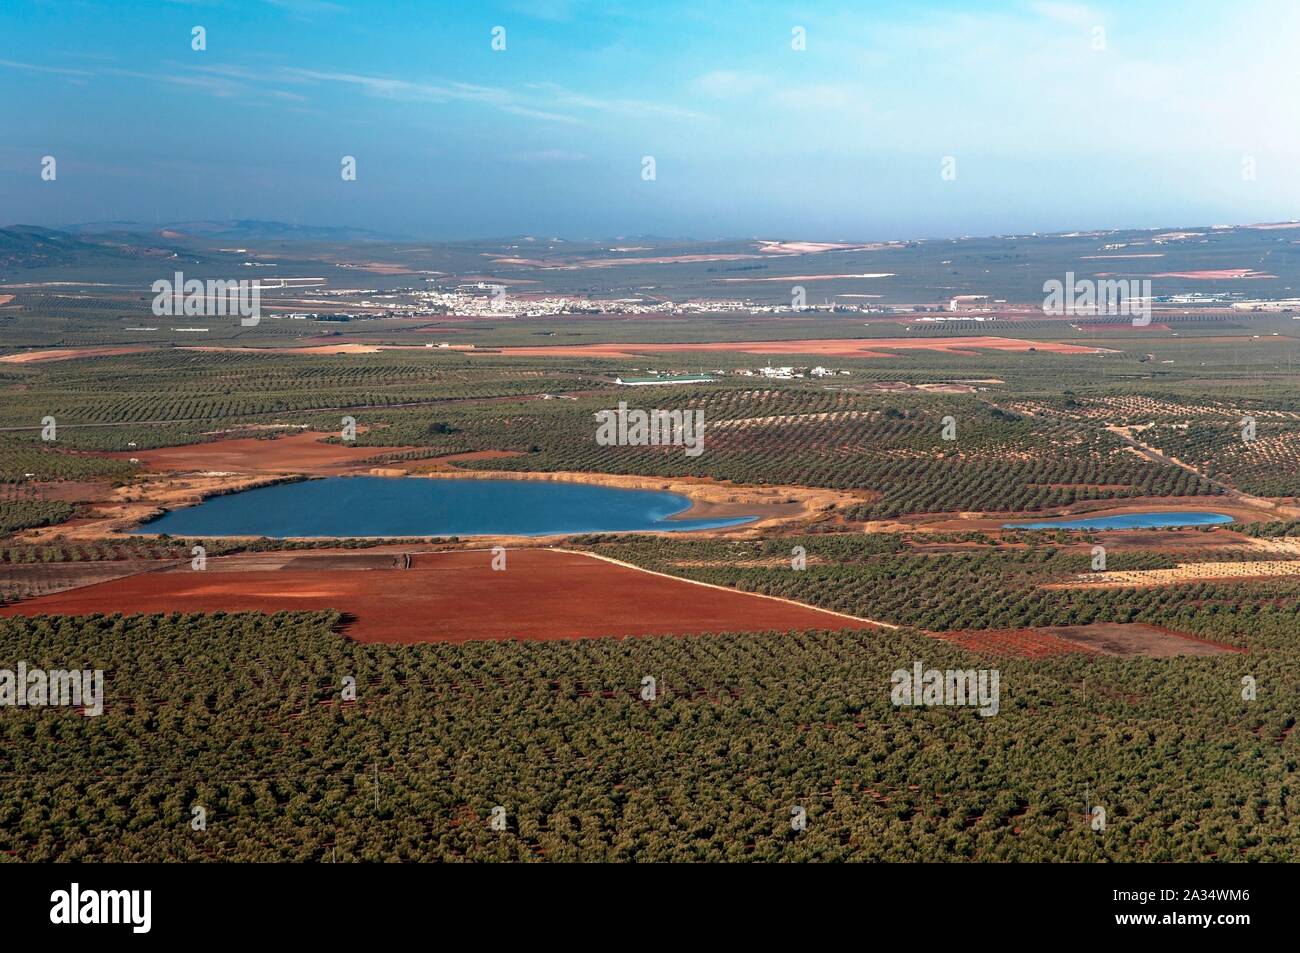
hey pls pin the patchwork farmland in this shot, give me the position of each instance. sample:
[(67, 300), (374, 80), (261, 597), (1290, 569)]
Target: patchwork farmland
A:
[(874, 542)]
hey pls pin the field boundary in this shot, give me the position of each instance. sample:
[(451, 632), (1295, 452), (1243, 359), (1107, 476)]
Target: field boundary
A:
[(710, 585)]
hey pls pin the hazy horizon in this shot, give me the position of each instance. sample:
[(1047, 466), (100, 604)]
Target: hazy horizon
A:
[(1056, 117), (392, 237)]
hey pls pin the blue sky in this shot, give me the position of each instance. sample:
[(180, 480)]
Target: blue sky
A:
[(1058, 115)]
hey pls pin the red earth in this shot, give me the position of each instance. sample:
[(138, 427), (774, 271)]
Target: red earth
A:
[(1022, 643), (842, 347), (458, 597), (1122, 639), (295, 453), (1215, 274)]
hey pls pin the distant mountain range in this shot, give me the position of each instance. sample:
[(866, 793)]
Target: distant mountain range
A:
[(33, 246), (30, 246), (232, 230)]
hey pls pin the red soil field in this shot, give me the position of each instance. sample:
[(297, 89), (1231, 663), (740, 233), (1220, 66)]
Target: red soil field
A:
[(458, 597), (1104, 638), (845, 347), (1215, 275), (295, 453), (311, 349), (1022, 643), (73, 491)]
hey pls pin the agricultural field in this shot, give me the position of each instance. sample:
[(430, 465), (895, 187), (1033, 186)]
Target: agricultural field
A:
[(452, 597), (878, 494), (745, 726)]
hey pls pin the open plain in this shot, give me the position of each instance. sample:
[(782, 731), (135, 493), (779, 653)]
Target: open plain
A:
[(905, 425)]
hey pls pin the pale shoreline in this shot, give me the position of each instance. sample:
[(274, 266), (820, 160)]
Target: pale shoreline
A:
[(131, 507), (138, 504)]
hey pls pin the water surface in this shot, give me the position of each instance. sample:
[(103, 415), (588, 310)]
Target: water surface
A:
[(412, 506), (1153, 520)]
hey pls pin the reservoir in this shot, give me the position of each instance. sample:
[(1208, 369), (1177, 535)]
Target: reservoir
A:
[(1153, 520), (396, 506)]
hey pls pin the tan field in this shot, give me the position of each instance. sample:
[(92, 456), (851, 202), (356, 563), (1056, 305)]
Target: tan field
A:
[(1183, 572), (68, 354)]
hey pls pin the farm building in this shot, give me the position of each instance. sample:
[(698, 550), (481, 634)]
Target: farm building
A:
[(679, 379)]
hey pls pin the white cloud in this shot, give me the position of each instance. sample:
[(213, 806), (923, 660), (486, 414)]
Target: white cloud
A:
[(1075, 15), (33, 68), (814, 96), (728, 84)]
